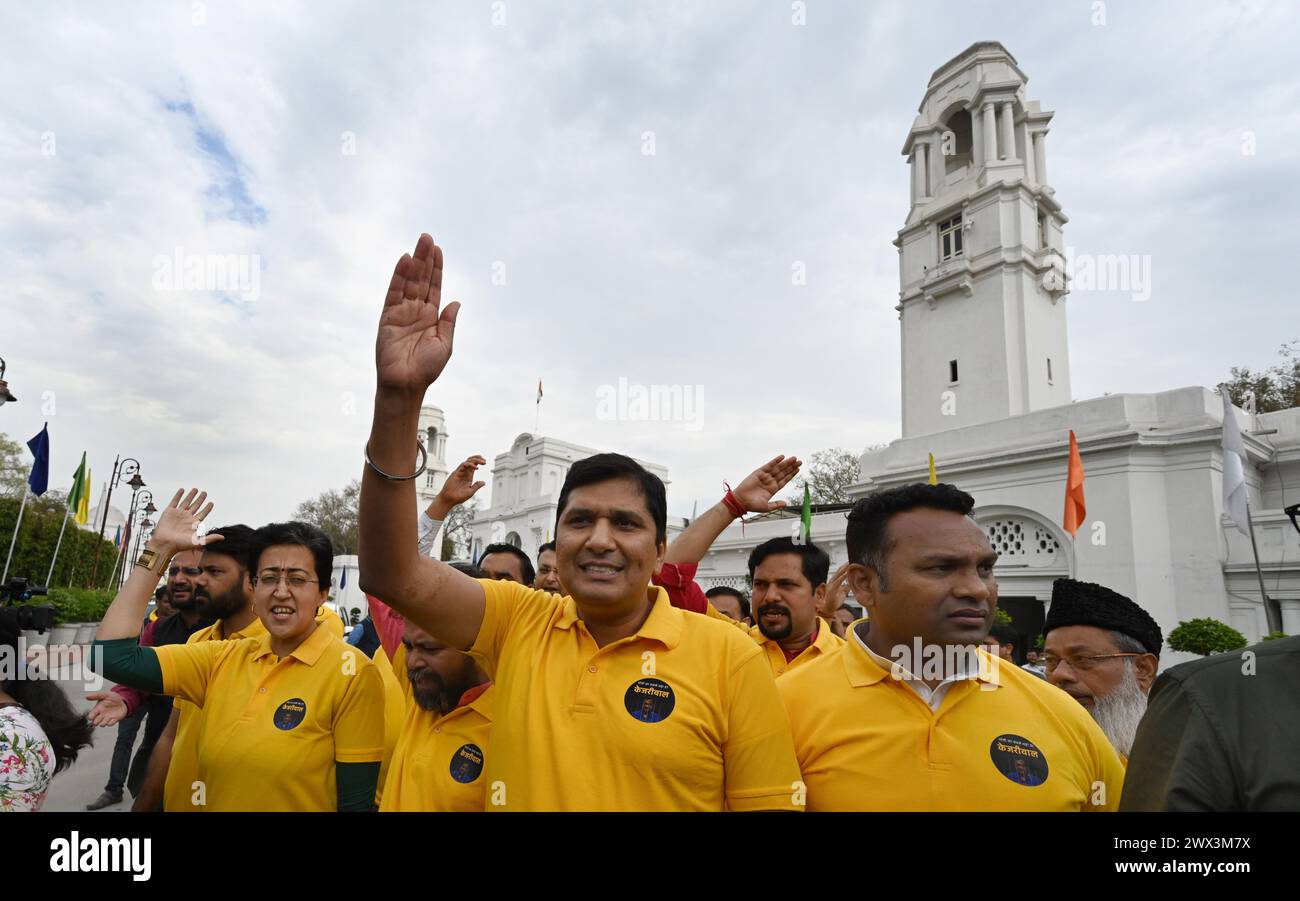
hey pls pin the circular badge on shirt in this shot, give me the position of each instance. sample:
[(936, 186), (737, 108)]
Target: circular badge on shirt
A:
[(649, 700), (1019, 760), (289, 714), (467, 763)]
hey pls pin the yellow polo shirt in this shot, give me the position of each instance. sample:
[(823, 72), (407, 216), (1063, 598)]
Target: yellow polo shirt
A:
[(439, 761), (1005, 740), (825, 642), (682, 715), (271, 730), (394, 714), (183, 770)]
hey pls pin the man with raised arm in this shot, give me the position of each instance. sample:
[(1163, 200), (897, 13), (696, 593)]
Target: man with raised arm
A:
[(573, 675)]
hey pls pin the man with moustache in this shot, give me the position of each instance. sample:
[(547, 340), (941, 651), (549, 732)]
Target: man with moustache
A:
[(439, 760), (910, 714), (789, 579), (1103, 650), (548, 573), (128, 707)]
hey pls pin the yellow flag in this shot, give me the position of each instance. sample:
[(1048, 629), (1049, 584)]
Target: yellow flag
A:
[(934, 478), (82, 514)]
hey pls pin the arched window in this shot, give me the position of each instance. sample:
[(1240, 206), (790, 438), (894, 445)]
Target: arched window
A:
[(957, 152), (513, 540)]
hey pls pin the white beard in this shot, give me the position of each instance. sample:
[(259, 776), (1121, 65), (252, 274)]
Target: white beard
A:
[(1119, 713)]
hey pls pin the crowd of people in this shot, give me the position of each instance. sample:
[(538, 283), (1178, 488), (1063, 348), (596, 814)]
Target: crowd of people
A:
[(600, 676)]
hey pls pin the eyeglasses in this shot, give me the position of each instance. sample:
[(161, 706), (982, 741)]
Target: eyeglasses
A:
[(271, 578), (1080, 663)]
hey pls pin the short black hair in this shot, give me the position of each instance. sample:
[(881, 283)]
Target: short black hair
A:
[(469, 569), (816, 562), (1005, 634), (235, 542), (300, 533), (549, 546), (161, 592), (870, 516), (525, 564), (734, 592), (603, 468)]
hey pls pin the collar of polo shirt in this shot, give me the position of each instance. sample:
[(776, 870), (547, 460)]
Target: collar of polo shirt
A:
[(664, 624), (866, 667), (308, 652)]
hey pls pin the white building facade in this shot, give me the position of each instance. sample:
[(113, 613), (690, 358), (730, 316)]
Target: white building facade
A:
[(526, 482), (986, 389)]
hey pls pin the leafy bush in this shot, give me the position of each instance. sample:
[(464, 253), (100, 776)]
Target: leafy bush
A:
[(78, 605), (1272, 635), (1001, 617), (1205, 636)]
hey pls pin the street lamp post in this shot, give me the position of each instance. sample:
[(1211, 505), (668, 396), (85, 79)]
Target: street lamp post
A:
[(135, 484), (121, 469), (146, 510)]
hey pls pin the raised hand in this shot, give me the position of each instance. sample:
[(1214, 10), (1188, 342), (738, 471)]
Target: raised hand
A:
[(756, 491), (110, 709), (460, 485), (415, 335), (837, 589), (181, 525)]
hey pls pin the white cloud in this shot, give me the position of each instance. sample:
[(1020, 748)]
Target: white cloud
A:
[(522, 144)]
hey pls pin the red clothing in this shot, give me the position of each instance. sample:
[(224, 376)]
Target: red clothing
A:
[(678, 579), (388, 623), (789, 657), (472, 693)]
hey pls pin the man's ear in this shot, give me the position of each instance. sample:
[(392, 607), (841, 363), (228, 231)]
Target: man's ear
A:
[(863, 582), (1144, 668)]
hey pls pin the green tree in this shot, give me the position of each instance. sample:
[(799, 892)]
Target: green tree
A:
[(455, 530), (335, 513), (1205, 636), (1275, 388), (828, 475), (34, 548), (15, 463)]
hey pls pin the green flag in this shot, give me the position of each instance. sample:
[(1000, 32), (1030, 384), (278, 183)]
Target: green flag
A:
[(80, 494), (807, 514)]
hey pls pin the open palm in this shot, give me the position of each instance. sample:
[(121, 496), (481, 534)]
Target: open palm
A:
[(415, 334), (755, 493)]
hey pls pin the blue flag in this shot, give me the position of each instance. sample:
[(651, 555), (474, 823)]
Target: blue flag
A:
[(39, 480)]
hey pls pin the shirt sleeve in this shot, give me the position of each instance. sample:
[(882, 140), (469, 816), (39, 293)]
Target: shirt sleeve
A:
[(758, 755), (678, 579), (187, 668), (428, 532), (1179, 760), (359, 720), (505, 605)]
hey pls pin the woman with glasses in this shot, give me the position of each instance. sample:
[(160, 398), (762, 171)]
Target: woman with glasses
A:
[(292, 719)]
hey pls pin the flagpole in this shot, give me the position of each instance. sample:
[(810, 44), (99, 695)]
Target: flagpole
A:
[(58, 544), (1273, 617), (27, 489)]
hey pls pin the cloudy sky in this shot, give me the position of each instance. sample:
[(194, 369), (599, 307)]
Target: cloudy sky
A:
[(323, 137)]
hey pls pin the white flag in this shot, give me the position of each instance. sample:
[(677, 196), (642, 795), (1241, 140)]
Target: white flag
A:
[(1234, 469)]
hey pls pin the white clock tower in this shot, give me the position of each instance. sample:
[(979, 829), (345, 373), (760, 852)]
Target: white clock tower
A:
[(981, 267)]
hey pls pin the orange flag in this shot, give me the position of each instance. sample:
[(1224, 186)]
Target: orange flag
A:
[(1075, 509)]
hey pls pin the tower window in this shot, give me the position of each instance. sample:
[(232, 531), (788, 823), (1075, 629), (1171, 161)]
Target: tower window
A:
[(1049, 370), (1042, 231), (952, 371), (950, 238)]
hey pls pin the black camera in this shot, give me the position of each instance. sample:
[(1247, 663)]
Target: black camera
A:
[(27, 616)]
